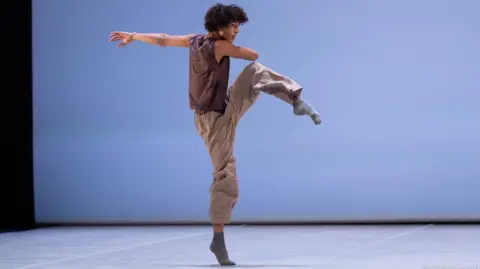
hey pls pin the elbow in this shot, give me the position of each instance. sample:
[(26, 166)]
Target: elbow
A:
[(161, 40), (254, 56)]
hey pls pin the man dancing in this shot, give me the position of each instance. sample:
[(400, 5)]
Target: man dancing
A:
[(217, 109)]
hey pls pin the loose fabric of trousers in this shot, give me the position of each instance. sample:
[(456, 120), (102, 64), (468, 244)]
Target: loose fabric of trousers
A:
[(218, 130)]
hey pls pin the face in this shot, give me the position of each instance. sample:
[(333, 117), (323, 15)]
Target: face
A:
[(229, 33)]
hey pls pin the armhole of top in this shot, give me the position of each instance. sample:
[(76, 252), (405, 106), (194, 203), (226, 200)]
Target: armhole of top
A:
[(214, 54)]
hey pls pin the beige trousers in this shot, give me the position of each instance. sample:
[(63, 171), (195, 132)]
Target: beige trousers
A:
[(218, 131)]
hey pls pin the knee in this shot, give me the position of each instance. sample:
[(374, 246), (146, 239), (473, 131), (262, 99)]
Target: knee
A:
[(253, 66)]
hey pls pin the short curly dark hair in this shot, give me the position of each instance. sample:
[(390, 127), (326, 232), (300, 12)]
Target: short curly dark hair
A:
[(220, 16)]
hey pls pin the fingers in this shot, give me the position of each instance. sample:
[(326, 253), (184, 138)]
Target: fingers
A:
[(119, 36), (115, 36)]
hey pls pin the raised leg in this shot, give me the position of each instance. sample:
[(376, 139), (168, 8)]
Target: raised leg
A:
[(257, 78)]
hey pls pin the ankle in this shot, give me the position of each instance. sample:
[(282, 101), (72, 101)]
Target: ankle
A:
[(218, 228)]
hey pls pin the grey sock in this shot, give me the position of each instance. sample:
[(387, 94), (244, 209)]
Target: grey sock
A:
[(300, 107), (219, 248)]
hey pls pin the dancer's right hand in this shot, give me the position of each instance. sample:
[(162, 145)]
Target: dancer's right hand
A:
[(126, 38)]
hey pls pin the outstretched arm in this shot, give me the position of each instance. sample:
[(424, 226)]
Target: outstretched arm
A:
[(163, 40), (159, 39)]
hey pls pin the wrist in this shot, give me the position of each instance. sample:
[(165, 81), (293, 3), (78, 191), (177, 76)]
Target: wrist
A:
[(132, 36)]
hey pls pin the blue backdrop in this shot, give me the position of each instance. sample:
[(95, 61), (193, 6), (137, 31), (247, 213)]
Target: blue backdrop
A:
[(396, 83)]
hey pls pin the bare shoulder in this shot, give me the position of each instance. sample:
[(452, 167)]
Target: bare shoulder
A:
[(190, 36), (223, 47)]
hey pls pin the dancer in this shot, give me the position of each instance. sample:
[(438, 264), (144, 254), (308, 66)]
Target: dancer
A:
[(217, 110)]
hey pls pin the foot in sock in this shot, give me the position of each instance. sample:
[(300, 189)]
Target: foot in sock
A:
[(219, 248), (300, 107)]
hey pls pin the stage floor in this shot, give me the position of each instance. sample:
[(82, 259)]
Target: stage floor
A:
[(365, 247)]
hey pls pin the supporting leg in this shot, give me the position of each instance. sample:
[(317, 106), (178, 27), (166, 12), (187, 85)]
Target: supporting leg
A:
[(218, 133)]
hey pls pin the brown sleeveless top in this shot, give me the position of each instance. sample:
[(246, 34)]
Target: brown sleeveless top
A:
[(208, 79)]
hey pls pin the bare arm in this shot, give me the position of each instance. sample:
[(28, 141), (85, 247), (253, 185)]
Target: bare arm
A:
[(163, 40), (225, 48)]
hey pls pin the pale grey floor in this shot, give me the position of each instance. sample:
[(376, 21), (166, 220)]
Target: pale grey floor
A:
[(365, 247)]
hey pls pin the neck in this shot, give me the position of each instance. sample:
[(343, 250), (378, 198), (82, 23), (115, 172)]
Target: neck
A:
[(214, 35)]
